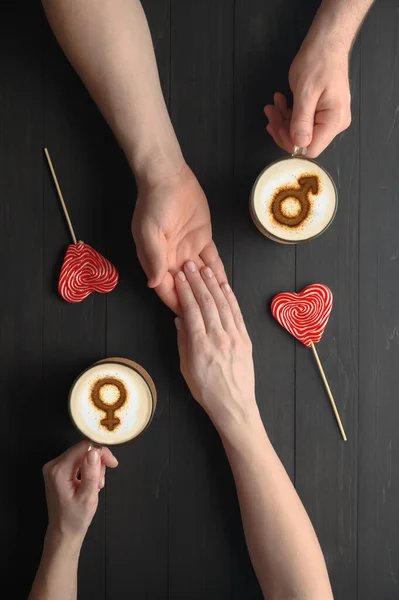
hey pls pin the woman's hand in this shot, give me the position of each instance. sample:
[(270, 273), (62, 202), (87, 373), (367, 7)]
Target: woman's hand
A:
[(171, 223), (214, 347), (72, 502)]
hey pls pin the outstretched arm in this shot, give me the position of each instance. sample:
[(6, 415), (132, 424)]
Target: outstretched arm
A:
[(71, 504), (109, 44), (319, 80), (216, 361)]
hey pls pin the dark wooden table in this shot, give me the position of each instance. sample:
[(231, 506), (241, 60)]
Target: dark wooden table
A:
[(168, 525)]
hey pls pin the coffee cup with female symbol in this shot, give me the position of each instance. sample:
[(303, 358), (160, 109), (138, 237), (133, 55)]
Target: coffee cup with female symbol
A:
[(293, 199), (112, 401)]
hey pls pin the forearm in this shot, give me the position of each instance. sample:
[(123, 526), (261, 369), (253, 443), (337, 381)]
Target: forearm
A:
[(109, 44), (56, 578), (337, 23), (281, 541)]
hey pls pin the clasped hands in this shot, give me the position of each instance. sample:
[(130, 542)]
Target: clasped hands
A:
[(171, 222)]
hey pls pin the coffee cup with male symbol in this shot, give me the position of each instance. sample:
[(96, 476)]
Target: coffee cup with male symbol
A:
[(293, 199), (112, 401)]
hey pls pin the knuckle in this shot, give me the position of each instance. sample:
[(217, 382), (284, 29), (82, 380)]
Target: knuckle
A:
[(304, 119), (46, 469), (248, 341), (52, 472), (207, 301), (222, 340), (192, 309), (346, 120), (238, 316), (199, 340), (224, 307)]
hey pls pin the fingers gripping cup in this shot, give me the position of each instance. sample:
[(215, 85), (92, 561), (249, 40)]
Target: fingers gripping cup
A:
[(113, 401), (293, 200)]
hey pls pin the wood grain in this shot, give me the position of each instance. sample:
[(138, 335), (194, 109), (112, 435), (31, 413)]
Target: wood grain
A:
[(378, 533), (168, 525), (326, 467), (203, 512)]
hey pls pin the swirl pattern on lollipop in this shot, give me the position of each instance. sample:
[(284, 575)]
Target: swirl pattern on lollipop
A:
[(84, 271), (304, 315)]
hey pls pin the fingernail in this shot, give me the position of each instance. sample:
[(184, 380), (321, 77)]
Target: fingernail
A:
[(102, 481), (178, 323), (226, 288), (208, 272), (181, 276), (301, 138), (191, 266), (93, 457)]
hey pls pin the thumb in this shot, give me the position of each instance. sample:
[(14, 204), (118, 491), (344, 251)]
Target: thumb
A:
[(90, 473), (153, 258), (302, 120)]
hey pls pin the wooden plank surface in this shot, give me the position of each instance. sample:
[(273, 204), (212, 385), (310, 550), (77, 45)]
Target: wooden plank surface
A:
[(22, 502), (168, 525), (139, 328), (326, 466), (378, 307), (73, 334), (201, 492), (261, 267)]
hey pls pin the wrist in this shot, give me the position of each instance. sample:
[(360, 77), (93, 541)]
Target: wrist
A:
[(244, 437), (234, 425), (66, 542), (330, 34), (156, 162)]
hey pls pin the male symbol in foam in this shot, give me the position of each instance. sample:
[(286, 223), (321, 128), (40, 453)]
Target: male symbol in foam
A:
[(110, 421), (307, 183)]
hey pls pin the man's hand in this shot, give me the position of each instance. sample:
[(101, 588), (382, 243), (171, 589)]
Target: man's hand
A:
[(320, 85), (171, 224)]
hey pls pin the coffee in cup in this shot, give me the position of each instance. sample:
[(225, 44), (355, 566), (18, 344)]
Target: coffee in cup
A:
[(293, 200), (113, 401)]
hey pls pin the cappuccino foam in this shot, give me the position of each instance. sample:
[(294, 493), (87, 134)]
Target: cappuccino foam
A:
[(293, 200), (111, 385)]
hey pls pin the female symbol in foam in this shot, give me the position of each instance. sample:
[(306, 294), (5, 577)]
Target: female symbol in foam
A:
[(84, 270), (305, 316), (111, 420)]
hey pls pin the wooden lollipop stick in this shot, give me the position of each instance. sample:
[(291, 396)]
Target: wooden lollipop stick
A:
[(329, 393), (50, 164)]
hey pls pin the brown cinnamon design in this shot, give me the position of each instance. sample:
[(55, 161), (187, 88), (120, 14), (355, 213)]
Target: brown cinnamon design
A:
[(110, 421), (307, 183)]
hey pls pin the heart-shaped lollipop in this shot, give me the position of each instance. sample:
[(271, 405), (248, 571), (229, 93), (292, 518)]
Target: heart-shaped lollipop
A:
[(84, 271), (304, 315)]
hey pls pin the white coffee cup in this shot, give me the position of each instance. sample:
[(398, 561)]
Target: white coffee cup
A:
[(112, 401), (293, 200)]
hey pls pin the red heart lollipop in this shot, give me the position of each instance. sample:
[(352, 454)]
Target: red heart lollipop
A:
[(304, 315), (84, 271)]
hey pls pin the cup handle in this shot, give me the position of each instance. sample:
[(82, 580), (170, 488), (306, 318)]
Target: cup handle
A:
[(94, 445), (299, 151)]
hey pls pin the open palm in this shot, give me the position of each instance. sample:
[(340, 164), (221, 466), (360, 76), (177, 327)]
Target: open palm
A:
[(171, 224)]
